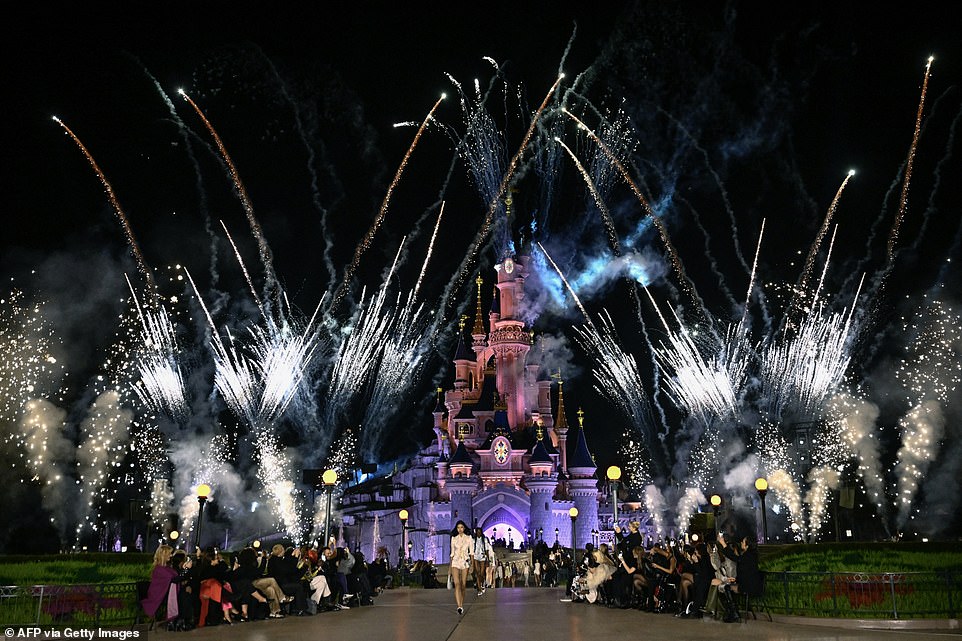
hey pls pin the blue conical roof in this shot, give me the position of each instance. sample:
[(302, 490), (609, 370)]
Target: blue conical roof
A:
[(461, 455), (539, 454), (581, 456)]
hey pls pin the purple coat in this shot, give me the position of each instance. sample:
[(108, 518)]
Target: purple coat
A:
[(160, 578)]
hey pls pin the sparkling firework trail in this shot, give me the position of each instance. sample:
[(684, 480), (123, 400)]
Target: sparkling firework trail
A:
[(801, 372), (751, 279), (365, 243), (813, 250), (102, 449), (618, 378), (910, 161), (28, 367), (565, 281), (161, 384), (822, 482), (401, 361), (134, 247), (360, 351), (502, 188), (930, 375), (787, 492), (599, 202), (646, 207), (707, 388), (247, 276), (427, 259), (263, 249)]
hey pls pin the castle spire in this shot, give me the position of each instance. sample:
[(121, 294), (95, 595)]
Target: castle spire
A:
[(478, 329), (562, 422)]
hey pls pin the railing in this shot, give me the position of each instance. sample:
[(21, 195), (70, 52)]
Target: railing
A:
[(868, 595), (100, 604)]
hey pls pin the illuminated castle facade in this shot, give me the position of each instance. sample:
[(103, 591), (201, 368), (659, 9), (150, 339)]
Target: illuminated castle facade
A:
[(503, 459)]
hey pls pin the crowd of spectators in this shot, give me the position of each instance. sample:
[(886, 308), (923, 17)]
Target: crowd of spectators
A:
[(213, 588), (687, 580)]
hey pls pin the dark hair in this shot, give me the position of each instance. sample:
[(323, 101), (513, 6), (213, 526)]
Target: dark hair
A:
[(454, 530)]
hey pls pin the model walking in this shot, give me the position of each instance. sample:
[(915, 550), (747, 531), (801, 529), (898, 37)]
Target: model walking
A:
[(461, 551)]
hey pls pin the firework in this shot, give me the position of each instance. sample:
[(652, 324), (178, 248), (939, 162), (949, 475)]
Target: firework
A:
[(134, 247), (161, 384), (365, 243)]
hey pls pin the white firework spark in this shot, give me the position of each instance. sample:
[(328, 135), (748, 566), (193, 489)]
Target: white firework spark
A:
[(161, 383)]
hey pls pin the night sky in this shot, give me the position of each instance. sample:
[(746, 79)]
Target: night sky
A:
[(731, 113)]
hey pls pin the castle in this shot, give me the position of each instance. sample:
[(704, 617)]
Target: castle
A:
[(502, 460)]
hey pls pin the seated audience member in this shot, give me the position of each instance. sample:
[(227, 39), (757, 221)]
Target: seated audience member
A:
[(162, 575)]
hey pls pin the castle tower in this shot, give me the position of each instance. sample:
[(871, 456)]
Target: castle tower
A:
[(461, 486), (444, 448), (541, 483), (509, 341), (582, 484)]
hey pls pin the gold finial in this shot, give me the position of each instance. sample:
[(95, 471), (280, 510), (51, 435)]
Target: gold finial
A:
[(462, 322), (540, 431), (508, 202), (581, 418)]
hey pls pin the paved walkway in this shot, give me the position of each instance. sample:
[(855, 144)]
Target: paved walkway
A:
[(526, 615)]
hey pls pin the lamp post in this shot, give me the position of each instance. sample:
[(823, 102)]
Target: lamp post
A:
[(556, 535), (330, 479), (573, 513), (761, 486), (203, 491), (614, 475), (540, 534), (403, 515), (716, 501)]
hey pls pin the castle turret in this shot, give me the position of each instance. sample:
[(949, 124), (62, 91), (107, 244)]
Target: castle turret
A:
[(541, 484), (461, 485), (582, 484)]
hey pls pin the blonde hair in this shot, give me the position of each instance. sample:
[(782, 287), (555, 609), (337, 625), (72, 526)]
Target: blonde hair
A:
[(162, 555), (278, 549)]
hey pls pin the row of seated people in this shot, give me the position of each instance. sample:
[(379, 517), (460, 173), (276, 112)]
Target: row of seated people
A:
[(681, 579), (209, 589)]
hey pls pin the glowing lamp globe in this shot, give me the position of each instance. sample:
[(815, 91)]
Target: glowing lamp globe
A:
[(716, 500), (203, 491), (256, 545), (573, 512), (329, 477), (174, 534), (403, 515), (761, 484), (614, 473)]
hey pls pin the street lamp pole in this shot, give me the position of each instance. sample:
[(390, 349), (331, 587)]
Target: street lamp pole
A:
[(330, 480), (614, 475), (716, 501), (203, 491), (403, 515), (573, 513), (761, 486)]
